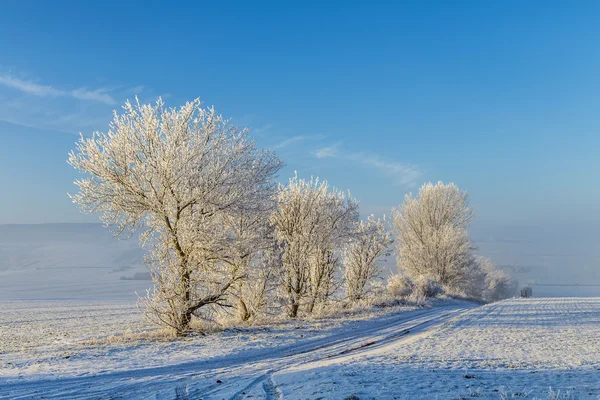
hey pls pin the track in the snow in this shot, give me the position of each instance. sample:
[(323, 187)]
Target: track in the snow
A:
[(355, 344), (236, 376)]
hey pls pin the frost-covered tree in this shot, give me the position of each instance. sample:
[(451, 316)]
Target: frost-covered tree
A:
[(256, 294), (476, 279), (176, 174), (254, 252), (431, 235), (498, 284), (338, 216), (312, 223), (489, 283), (370, 243)]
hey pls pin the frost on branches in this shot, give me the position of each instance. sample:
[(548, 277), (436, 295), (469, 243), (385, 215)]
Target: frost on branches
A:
[(220, 232), (255, 253), (432, 242), (431, 232), (312, 223), (370, 244), (497, 285), (182, 176)]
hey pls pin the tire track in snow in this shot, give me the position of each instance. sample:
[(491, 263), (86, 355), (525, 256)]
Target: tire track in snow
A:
[(271, 391), (160, 382), (345, 348)]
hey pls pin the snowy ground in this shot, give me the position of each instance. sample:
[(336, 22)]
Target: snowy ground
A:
[(523, 346), (41, 339), (69, 261), (516, 348)]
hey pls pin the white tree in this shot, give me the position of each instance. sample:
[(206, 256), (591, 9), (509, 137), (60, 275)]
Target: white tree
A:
[(476, 279), (431, 235), (371, 242), (312, 222), (338, 216), (498, 284), (257, 292), (254, 253), (176, 173)]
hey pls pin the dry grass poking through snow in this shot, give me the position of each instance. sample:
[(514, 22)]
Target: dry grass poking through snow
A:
[(72, 337)]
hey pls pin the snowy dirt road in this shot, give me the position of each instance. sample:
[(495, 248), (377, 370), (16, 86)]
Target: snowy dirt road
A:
[(511, 349), (235, 376)]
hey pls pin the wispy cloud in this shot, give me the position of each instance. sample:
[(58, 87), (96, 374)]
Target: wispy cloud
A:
[(97, 95), (403, 174), (328, 152), (295, 139), (262, 129), (37, 89), (28, 101)]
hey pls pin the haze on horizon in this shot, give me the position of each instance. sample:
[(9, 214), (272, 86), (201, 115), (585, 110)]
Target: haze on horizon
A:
[(500, 99)]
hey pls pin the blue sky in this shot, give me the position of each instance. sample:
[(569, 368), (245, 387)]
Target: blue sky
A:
[(501, 98)]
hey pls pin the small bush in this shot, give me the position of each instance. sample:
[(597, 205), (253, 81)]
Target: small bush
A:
[(499, 286), (426, 287), (400, 286)]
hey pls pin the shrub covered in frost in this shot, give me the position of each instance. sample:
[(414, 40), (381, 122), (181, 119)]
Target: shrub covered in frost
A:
[(499, 286), (427, 287), (399, 285)]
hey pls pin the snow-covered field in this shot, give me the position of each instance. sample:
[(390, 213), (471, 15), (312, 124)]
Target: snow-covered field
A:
[(69, 261), (521, 347), (41, 339), (511, 349)]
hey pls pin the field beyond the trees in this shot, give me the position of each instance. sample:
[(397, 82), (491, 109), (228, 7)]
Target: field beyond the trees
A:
[(511, 349)]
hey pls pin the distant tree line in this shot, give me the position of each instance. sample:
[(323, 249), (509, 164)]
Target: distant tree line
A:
[(223, 237)]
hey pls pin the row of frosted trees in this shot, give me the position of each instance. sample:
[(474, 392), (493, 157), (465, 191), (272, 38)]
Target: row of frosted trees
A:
[(223, 236)]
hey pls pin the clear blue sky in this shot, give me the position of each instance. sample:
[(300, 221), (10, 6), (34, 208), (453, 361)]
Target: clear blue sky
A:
[(502, 98)]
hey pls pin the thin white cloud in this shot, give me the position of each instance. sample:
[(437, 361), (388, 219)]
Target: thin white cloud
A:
[(262, 129), (97, 95), (137, 89), (328, 152), (28, 87), (403, 174), (36, 89), (295, 139)]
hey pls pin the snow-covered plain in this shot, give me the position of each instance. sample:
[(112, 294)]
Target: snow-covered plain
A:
[(40, 339), (515, 348), (521, 347), (69, 261)]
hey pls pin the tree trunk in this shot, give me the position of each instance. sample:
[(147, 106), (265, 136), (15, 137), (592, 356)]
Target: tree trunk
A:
[(311, 306), (187, 315), (243, 312), (185, 322), (294, 310)]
